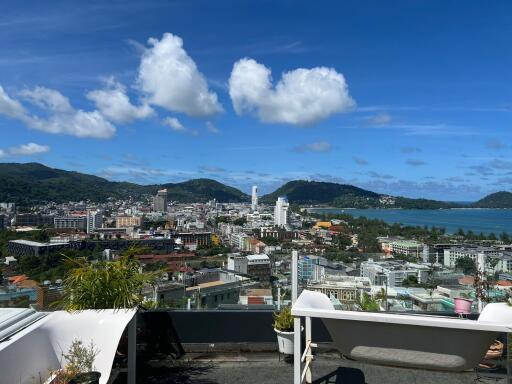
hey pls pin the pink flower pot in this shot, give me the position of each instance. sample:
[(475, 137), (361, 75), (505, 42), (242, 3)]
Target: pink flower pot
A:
[(462, 306)]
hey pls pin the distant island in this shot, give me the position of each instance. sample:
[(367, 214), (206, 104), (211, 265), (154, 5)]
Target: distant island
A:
[(31, 183)]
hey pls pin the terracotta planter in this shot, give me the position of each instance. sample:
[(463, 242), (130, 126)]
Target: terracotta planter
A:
[(285, 341)]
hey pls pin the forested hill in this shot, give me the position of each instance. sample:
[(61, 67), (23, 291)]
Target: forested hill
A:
[(35, 183), (501, 199), (346, 196), (31, 183)]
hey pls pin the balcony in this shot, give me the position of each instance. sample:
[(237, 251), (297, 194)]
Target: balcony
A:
[(239, 346)]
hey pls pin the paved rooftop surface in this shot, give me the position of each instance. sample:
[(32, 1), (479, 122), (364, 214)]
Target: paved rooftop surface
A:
[(266, 368)]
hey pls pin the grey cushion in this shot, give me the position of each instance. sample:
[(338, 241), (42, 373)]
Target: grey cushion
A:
[(405, 357)]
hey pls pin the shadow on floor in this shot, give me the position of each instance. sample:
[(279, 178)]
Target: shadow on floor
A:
[(342, 375)]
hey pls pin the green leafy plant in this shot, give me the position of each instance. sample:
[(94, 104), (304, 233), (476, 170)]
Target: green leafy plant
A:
[(283, 320), (368, 303), (79, 359), (106, 284)]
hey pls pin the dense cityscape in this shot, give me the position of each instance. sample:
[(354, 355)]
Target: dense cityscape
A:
[(221, 255)]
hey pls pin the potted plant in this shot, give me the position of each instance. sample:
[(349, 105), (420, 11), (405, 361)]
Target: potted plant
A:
[(79, 368), (283, 325), (462, 304)]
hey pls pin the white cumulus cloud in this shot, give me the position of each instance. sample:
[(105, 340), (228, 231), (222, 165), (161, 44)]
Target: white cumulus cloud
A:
[(10, 107), (113, 102), (174, 124), (58, 116), (171, 79), (46, 98), (28, 149), (301, 97)]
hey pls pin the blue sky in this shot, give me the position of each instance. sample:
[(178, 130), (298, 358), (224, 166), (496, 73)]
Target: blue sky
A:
[(407, 98)]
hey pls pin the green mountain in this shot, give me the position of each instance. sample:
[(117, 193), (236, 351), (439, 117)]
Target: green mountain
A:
[(319, 192), (345, 196), (197, 190), (501, 199), (31, 183)]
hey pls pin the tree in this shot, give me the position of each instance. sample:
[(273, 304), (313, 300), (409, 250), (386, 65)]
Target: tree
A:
[(466, 265), (505, 238), (410, 281), (106, 284), (240, 221)]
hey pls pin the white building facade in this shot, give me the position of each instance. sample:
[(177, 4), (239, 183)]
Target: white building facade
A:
[(281, 212)]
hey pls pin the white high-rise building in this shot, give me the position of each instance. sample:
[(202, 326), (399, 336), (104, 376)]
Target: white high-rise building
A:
[(94, 220), (281, 211), (254, 198)]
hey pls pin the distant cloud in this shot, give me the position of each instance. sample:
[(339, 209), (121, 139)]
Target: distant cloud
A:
[(115, 105), (318, 146), (58, 116), (211, 127), (359, 160), (29, 149), (377, 175), (415, 162), (410, 150), (171, 79), (379, 119), (211, 169), (495, 144), (482, 170), (500, 164), (177, 126), (301, 97)]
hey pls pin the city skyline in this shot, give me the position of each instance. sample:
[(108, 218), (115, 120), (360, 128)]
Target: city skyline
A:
[(422, 114)]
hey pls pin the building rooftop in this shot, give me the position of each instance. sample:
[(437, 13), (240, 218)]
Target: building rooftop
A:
[(266, 367)]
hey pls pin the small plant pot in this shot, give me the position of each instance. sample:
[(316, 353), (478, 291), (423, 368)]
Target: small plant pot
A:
[(462, 305), (86, 378), (285, 341)]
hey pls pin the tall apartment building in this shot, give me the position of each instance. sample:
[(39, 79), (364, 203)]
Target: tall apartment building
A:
[(71, 222), (254, 198), (129, 221), (160, 201), (94, 220), (281, 211)]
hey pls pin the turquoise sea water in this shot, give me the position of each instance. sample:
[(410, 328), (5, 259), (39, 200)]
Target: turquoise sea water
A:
[(477, 220)]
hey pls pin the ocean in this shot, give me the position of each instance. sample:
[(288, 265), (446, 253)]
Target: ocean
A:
[(477, 220)]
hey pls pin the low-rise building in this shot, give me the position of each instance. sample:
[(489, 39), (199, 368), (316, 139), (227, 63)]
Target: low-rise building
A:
[(258, 266), (129, 221), (19, 248), (411, 248), (347, 289), (71, 222), (392, 273)]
